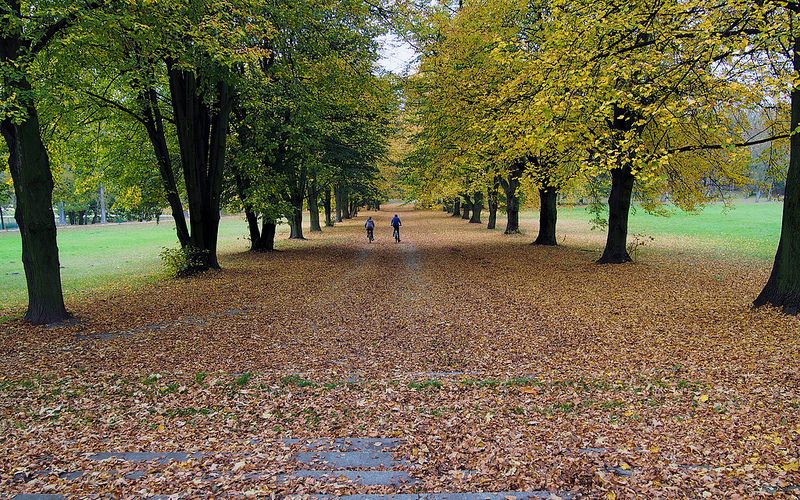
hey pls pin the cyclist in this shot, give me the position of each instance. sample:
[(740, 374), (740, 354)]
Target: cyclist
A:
[(396, 225), (370, 225)]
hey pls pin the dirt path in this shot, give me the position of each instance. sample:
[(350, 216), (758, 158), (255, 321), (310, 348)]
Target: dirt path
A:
[(497, 366)]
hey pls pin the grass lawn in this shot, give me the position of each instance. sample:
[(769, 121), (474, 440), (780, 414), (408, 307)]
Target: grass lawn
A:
[(109, 256), (747, 230)]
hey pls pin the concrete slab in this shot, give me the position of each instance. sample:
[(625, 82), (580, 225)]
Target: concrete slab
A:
[(142, 456), (350, 460), (347, 444), (364, 477)]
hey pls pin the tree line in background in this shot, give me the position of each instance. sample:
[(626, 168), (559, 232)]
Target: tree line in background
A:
[(192, 106), (671, 104)]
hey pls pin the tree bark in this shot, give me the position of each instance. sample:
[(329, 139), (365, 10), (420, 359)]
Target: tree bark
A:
[(619, 206), (266, 243), (326, 202), (783, 286), (2, 220), (201, 121), (466, 207), (337, 194), (457, 207), (154, 125), (313, 206), (477, 207), (510, 186), (296, 223), (33, 186), (103, 219), (548, 211), (492, 201)]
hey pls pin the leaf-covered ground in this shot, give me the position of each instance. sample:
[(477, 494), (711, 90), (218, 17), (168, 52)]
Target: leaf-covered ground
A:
[(533, 367)]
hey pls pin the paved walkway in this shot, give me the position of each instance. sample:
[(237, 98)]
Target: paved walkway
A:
[(358, 461)]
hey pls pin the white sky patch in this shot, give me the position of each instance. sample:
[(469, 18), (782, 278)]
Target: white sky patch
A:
[(396, 54)]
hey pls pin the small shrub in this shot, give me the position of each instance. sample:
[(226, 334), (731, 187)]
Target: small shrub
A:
[(182, 262), (638, 241)]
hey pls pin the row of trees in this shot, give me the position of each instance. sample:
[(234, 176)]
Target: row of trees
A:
[(628, 99), (260, 106)]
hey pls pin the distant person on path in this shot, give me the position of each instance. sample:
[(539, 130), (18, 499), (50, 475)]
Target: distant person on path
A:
[(396, 225), (370, 225)]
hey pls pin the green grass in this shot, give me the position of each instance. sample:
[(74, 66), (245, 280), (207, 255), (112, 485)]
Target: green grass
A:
[(102, 257), (746, 230)]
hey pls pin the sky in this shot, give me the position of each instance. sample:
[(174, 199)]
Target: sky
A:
[(396, 55)]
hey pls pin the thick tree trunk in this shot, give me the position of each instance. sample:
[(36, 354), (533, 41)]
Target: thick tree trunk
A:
[(492, 202), (296, 223), (466, 207), (619, 206), (477, 207), (783, 286), (337, 194), (510, 186), (548, 212), (267, 241), (201, 121), (33, 186), (313, 206), (252, 227), (457, 207), (326, 202), (353, 210)]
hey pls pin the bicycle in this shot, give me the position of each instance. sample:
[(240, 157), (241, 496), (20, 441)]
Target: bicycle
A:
[(397, 234), (370, 235)]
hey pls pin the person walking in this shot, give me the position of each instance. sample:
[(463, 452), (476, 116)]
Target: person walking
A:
[(396, 225), (370, 225)]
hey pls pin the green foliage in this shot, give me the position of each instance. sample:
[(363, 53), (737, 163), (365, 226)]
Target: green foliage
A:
[(181, 262)]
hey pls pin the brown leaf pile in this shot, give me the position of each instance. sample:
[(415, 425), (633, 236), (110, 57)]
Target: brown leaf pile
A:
[(533, 367)]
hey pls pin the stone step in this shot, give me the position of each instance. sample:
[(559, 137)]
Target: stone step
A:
[(362, 477), (346, 444), (502, 495), (336, 460), (143, 456)]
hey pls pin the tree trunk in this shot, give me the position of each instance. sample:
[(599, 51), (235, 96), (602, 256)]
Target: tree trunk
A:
[(154, 125), (296, 223), (353, 208), (457, 207), (103, 219), (783, 286), (62, 217), (265, 242), (313, 206), (492, 201), (337, 194), (466, 207), (477, 207), (326, 202), (510, 186), (2, 220), (548, 211), (619, 206), (202, 127), (33, 186)]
